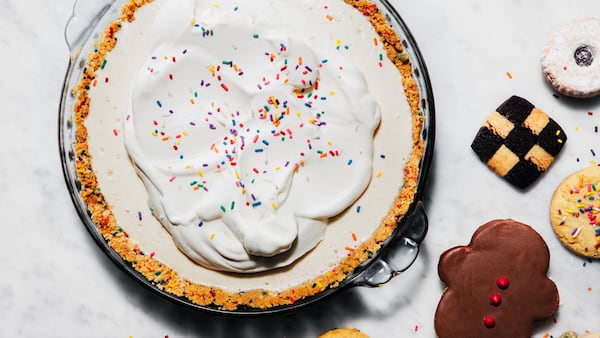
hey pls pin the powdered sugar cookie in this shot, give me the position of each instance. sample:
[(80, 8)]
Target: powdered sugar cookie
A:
[(571, 58), (574, 212)]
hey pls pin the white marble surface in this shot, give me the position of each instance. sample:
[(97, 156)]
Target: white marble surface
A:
[(57, 283)]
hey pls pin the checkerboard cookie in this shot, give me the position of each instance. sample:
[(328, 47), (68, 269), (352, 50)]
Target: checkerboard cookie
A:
[(574, 212), (571, 58), (519, 141)]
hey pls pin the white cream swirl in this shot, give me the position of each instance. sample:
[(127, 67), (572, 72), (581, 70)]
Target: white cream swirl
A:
[(248, 135)]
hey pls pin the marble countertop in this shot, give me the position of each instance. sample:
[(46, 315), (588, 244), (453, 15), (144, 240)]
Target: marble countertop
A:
[(57, 283)]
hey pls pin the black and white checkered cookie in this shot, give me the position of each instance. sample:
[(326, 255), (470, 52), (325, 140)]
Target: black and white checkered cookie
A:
[(519, 141)]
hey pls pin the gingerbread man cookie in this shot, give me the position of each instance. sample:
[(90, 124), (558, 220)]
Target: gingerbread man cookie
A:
[(497, 285)]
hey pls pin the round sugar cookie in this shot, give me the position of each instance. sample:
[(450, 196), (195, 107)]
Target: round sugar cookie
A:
[(572, 334), (575, 212), (344, 333), (571, 58), (569, 334)]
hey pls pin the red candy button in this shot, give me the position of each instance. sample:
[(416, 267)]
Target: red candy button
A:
[(495, 299), (489, 322), (503, 283)]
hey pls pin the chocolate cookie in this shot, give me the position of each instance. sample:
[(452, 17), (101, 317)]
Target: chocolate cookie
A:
[(571, 58), (519, 141), (574, 212), (497, 285)]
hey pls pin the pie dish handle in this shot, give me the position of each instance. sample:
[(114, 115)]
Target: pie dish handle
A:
[(84, 17), (400, 254)]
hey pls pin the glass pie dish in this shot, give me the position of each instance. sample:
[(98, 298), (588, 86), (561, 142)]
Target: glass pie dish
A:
[(397, 252)]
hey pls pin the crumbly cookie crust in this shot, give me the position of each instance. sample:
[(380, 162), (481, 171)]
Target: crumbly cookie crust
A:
[(167, 279)]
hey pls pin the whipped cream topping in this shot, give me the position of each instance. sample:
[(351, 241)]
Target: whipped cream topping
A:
[(249, 133)]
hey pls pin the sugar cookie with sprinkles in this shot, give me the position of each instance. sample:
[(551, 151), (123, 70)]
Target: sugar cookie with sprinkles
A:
[(574, 212), (344, 333), (519, 142), (573, 334), (571, 58)]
